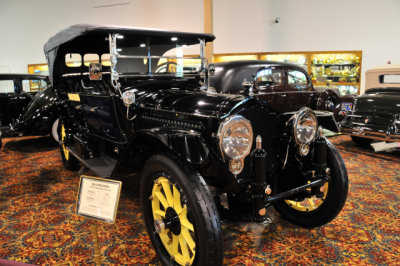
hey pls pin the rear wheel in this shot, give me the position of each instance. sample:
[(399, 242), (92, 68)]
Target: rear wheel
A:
[(362, 142), (180, 215), (69, 161), (54, 130), (316, 211)]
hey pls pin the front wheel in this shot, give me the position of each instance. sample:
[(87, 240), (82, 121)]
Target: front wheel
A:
[(180, 215), (316, 211), (69, 161)]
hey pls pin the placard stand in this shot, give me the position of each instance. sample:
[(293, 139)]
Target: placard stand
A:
[(95, 234)]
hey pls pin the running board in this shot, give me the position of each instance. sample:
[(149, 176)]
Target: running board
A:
[(103, 166), (382, 146)]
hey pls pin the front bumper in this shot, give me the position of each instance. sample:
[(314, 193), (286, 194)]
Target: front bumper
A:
[(377, 128)]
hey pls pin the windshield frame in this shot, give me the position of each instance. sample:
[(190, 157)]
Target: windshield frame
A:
[(115, 55)]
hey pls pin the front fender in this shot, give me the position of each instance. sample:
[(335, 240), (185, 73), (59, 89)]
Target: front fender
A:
[(326, 120), (186, 145)]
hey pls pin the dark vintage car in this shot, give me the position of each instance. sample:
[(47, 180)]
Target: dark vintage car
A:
[(376, 114), (199, 156), (27, 106), (285, 87)]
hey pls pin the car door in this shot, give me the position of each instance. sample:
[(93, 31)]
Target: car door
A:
[(298, 90), (270, 85), (12, 100), (98, 110)]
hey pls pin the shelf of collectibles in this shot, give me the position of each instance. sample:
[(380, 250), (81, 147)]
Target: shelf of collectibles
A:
[(339, 70)]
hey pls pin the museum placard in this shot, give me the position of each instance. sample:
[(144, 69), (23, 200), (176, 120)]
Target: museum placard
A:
[(98, 198)]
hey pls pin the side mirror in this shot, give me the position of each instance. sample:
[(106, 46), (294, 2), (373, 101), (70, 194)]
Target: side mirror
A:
[(95, 71)]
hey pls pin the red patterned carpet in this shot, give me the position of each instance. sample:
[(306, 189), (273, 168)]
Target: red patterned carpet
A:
[(38, 224)]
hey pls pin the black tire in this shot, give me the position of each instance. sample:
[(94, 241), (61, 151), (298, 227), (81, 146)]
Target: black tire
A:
[(1, 136), (54, 130), (162, 170), (69, 161), (334, 198), (362, 142)]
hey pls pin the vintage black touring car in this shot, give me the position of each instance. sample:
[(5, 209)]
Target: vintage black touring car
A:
[(127, 112)]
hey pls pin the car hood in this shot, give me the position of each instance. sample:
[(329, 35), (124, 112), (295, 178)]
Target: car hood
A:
[(378, 102), (189, 102)]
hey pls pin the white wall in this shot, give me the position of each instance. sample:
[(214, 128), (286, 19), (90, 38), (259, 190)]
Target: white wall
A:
[(26, 25), (240, 25), (310, 25)]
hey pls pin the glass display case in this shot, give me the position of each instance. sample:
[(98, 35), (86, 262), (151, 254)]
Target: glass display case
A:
[(337, 69), (298, 59), (40, 69), (340, 70)]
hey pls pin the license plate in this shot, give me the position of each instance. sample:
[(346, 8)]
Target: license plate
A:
[(347, 106)]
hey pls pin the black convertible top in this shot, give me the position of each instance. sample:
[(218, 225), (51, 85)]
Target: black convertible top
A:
[(78, 30)]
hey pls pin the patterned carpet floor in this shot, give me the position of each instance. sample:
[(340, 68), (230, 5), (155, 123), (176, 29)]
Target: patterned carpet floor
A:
[(38, 224)]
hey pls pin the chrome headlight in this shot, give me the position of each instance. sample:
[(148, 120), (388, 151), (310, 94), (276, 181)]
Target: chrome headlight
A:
[(304, 126), (235, 137)]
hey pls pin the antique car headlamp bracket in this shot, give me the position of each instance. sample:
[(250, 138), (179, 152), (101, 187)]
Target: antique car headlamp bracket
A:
[(304, 127), (129, 98), (235, 140)]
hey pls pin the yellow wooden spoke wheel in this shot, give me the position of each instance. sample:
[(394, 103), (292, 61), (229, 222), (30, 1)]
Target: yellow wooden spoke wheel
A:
[(63, 137), (171, 221), (69, 161), (309, 204)]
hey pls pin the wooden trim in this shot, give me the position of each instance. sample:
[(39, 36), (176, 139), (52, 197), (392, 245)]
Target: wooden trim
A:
[(294, 52), (208, 27)]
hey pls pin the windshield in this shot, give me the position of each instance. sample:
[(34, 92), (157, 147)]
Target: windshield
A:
[(151, 57)]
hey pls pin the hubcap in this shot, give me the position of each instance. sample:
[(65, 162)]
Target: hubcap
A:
[(171, 221), (63, 137), (309, 204)]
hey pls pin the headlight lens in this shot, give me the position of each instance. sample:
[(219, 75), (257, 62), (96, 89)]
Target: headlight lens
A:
[(305, 126), (235, 137)]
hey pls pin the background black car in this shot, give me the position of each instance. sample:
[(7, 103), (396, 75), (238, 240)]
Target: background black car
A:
[(286, 87), (27, 106), (16, 92), (376, 114), (126, 115)]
